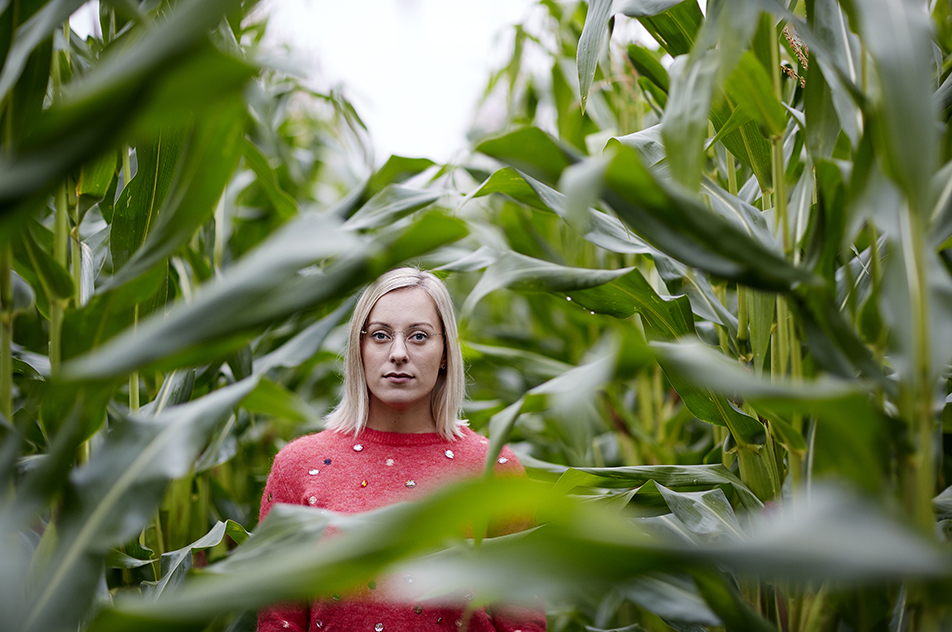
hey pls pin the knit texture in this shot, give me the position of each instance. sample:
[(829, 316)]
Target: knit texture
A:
[(338, 472)]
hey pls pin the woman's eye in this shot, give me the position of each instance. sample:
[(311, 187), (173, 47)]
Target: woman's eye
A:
[(380, 336), (418, 337)]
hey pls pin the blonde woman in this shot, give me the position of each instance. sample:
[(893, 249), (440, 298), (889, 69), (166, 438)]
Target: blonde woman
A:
[(395, 436)]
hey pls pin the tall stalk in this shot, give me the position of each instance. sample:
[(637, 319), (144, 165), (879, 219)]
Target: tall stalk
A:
[(6, 333), (57, 305), (6, 282), (918, 402)]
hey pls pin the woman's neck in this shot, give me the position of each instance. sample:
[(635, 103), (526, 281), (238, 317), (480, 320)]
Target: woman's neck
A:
[(414, 418)]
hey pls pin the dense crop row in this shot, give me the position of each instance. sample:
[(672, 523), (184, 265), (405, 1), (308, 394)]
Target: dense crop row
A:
[(705, 291)]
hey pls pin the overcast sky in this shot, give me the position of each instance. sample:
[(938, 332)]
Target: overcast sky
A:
[(414, 68)]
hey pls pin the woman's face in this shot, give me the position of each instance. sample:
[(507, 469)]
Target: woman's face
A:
[(402, 349)]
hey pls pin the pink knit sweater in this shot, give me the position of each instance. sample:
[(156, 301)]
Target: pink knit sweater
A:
[(335, 471)]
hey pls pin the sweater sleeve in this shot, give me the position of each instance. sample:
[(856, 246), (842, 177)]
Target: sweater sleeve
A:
[(281, 488)]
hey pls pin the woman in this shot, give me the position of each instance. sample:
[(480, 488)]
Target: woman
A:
[(395, 436)]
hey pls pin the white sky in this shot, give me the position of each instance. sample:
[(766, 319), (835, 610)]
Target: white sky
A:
[(413, 68)]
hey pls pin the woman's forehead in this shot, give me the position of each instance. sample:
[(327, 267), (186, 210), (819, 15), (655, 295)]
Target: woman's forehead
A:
[(411, 305)]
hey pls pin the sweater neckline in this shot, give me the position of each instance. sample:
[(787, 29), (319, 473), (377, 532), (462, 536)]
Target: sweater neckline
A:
[(400, 438)]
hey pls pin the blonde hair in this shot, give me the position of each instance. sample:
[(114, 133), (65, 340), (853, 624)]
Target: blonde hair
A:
[(446, 399)]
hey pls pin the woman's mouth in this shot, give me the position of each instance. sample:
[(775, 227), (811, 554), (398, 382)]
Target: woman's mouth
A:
[(398, 378)]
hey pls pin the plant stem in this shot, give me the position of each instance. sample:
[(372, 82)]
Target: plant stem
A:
[(6, 333), (776, 149), (134, 377), (57, 306), (126, 166), (743, 318), (920, 408)]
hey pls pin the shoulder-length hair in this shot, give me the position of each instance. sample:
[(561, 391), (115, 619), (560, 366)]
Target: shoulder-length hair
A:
[(446, 399)]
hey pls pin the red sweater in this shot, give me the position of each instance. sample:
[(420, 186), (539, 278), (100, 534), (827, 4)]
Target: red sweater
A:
[(334, 471)]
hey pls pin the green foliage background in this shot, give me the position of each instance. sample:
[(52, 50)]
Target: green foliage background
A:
[(705, 291)]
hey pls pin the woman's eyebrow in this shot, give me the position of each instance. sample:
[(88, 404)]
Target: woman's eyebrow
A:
[(380, 324)]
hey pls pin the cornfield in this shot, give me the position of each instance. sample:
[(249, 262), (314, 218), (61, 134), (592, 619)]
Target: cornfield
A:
[(705, 290)]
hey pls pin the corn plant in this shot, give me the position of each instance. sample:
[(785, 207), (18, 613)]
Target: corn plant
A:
[(703, 288)]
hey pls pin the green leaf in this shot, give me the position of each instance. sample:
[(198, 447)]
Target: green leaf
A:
[(673, 476), (671, 597), (176, 564), (648, 66), (898, 37), (175, 390), (158, 81), (527, 362), (673, 24), (511, 183), (22, 294), (685, 122), (52, 277), (275, 400), (29, 35), (667, 317), (283, 203), (746, 142), (685, 230), (703, 513), (96, 176), (531, 150), (822, 124), (212, 156), (518, 272), (715, 409), (726, 601), (648, 143), (136, 211), (590, 45), (603, 230), (391, 204), (839, 60), (749, 86), (261, 288), (397, 169), (851, 434), (301, 347), (115, 495)]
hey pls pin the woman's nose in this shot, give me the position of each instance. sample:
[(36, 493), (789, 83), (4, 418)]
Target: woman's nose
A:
[(398, 350)]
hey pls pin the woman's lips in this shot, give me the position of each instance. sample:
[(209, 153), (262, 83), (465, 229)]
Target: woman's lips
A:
[(397, 378)]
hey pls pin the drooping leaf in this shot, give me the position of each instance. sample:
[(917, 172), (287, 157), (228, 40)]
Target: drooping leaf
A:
[(212, 156), (282, 202), (648, 66), (52, 277), (134, 91), (590, 45), (271, 398), (137, 209), (897, 36), (518, 272), (29, 35), (667, 317), (673, 24), (531, 150), (686, 231), (115, 495), (749, 86), (392, 203), (685, 121), (176, 564), (262, 287)]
